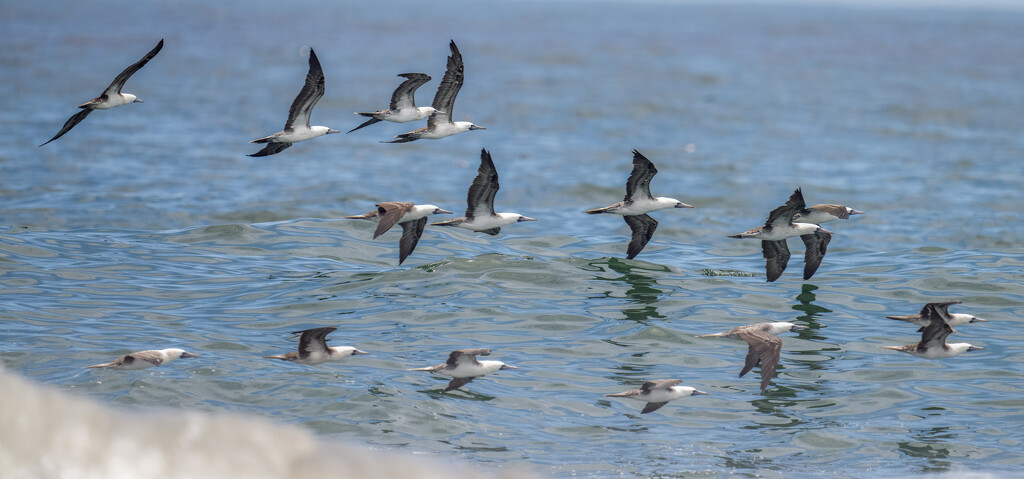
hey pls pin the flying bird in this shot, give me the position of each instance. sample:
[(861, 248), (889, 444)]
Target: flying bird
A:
[(112, 96), (313, 348), (464, 367), (403, 103), (765, 346), (778, 228), (933, 343), (440, 124), (658, 392), (146, 359), (942, 310), (297, 127), (480, 215), (638, 202), (412, 217)]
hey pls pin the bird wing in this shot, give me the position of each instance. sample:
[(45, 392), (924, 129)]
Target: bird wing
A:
[(390, 212), (467, 356), (839, 211), (764, 348), (652, 406), (480, 199), (938, 309), (643, 227), (272, 148), (457, 383), (151, 357), (411, 232), (312, 91), (640, 178), (444, 99), (783, 215), (68, 125), (934, 335), (313, 340), (404, 95), (121, 78), (660, 383), (816, 244), (776, 257)]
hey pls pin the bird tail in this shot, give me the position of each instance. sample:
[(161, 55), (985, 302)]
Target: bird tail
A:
[(99, 366), (280, 356), (428, 369), (451, 222), (403, 138), (597, 211), (623, 394), (364, 216), (366, 123)]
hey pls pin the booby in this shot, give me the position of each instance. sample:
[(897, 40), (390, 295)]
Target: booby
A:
[(313, 348), (297, 127), (765, 346), (819, 214), (440, 124), (778, 228), (403, 103), (480, 215), (942, 310), (933, 341), (464, 367), (412, 217), (638, 202), (146, 359), (112, 96), (658, 392)]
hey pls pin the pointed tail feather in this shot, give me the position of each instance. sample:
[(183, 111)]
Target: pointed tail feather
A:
[(366, 123)]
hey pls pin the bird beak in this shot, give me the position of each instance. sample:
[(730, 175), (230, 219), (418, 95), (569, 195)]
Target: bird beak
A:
[(855, 212), (358, 352), (825, 230), (138, 101), (506, 366), (439, 211), (697, 392), (683, 205), (797, 327), (976, 319), (189, 355), (524, 218), (975, 348), (474, 127), (329, 131)]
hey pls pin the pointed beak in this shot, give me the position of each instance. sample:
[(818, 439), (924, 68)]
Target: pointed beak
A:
[(358, 352), (975, 348), (506, 366), (855, 212), (797, 327), (683, 205), (474, 127), (525, 218), (329, 131), (138, 101), (439, 211), (976, 319), (825, 230), (697, 392), (189, 355)]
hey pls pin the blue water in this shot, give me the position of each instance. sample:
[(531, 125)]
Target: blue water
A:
[(148, 227)]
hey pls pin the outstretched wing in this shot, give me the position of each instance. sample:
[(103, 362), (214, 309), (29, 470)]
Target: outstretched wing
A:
[(480, 200), (121, 78), (639, 181), (816, 244), (776, 257), (411, 232), (783, 215), (404, 96), (643, 227), (312, 91), (68, 125), (444, 99), (390, 213), (764, 348)]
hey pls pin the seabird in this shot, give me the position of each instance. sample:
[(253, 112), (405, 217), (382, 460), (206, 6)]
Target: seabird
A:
[(658, 392), (778, 228), (112, 96), (765, 346), (412, 217), (440, 124), (403, 103), (297, 127), (313, 348), (819, 214), (146, 359), (933, 341), (638, 202), (464, 367), (942, 310), (480, 215)]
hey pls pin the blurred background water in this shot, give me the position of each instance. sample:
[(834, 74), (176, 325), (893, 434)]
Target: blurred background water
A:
[(148, 227)]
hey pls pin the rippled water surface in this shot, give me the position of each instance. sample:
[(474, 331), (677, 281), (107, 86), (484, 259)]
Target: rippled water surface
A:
[(148, 227)]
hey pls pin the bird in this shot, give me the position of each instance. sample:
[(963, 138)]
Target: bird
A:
[(819, 214), (933, 343), (313, 348), (412, 217), (638, 202), (942, 310), (778, 228), (146, 359), (765, 346), (403, 103), (480, 215), (440, 124), (297, 127), (112, 96), (464, 367), (658, 392)]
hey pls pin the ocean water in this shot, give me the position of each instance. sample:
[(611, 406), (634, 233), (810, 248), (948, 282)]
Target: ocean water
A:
[(147, 227)]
